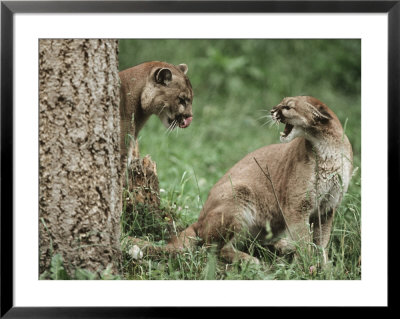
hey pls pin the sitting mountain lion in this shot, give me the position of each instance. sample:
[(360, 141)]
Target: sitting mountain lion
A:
[(277, 192), (153, 88)]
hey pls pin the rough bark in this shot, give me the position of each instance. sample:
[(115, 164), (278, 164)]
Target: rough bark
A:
[(79, 154)]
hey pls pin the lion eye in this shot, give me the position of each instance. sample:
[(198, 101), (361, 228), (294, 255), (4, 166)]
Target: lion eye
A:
[(182, 101), (285, 107)]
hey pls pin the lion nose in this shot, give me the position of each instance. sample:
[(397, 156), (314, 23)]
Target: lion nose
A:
[(186, 122)]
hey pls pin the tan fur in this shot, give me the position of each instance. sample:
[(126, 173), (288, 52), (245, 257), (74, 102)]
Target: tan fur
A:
[(309, 173), (153, 88)]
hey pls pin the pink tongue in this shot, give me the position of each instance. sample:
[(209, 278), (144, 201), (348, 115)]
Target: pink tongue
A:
[(186, 122)]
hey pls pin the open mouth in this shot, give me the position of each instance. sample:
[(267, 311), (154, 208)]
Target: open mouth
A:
[(287, 130), (182, 122)]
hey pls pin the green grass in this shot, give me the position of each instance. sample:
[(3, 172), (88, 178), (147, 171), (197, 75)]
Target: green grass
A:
[(58, 272), (235, 82)]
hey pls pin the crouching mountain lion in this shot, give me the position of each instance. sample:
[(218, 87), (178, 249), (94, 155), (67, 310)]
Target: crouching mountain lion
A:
[(277, 192), (153, 88)]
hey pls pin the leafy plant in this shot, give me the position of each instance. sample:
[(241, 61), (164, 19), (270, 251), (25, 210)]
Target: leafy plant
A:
[(58, 272)]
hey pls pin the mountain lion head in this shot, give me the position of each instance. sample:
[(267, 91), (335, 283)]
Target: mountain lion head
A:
[(303, 116), (151, 88), (168, 94)]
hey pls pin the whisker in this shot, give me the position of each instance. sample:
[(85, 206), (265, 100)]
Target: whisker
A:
[(176, 126), (265, 116), (169, 127), (275, 122), (162, 109), (173, 125), (270, 121), (265, 124)]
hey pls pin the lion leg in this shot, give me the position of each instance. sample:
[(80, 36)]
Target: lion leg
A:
[(139, 247), (228, 231), (296, 235), (322, 232), (231, 250), (124, 138), (231, 254), (186, 239)]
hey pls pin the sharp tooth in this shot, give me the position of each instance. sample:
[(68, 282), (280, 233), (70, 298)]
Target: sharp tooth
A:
[(282, 134)]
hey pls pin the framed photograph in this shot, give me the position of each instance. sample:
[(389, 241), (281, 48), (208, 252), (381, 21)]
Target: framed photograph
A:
[(253, 113)]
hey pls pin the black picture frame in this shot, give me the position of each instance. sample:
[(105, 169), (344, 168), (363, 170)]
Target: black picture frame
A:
[(9, 8)]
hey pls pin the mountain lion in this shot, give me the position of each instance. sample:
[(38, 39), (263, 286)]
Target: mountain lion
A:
[(277, 192), (153, 88)]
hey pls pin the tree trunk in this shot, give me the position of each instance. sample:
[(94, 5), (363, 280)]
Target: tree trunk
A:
[(79, 153)]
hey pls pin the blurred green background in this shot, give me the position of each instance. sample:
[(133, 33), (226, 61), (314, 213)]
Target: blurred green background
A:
[(236, 83)]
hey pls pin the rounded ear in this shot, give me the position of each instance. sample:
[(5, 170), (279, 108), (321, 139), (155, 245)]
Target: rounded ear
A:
[(322, 115), (183, 67), (163, 76), (319, 113)]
